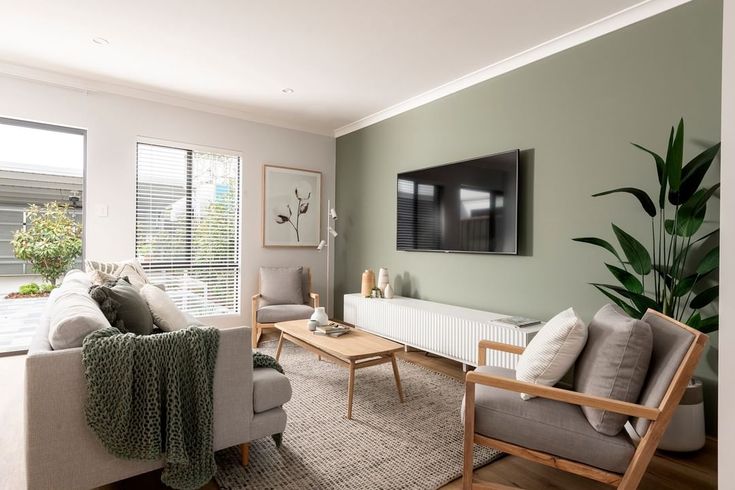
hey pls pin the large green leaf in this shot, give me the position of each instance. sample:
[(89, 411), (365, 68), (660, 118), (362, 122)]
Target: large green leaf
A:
[(641, 302), (685, 285), (642, 197), (705, 297), (688, 222), (660, 173), (674, 157), (709, 262), (627, 279), (694, 320), (600, 243), (636, 253), (692, 175), (664, 274), (620, 302), (709, 324)]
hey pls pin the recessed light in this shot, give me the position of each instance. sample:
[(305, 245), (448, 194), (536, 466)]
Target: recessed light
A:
[(101, 41), (287, 90)]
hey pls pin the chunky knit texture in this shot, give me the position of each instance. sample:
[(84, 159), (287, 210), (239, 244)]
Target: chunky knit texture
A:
[(266, 361), (151, 396)]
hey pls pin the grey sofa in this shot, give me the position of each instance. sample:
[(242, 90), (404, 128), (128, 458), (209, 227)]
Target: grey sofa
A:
[(62, 452)]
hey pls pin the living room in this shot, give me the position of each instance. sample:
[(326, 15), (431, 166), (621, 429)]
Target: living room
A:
[(246, 176)]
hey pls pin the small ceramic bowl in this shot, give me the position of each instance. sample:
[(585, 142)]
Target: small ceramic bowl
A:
[(313, 324)]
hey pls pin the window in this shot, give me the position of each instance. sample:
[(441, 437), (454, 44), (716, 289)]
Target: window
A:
[(187, 233)]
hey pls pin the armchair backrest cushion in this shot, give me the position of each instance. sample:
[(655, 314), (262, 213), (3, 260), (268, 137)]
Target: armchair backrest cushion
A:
[(613, 364), (670, 344), (281, 286)]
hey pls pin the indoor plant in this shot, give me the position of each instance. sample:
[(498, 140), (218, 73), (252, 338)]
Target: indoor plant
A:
[(677, 281)]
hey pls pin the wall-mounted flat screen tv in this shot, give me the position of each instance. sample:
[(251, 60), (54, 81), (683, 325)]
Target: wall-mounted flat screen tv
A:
[(469, 206)]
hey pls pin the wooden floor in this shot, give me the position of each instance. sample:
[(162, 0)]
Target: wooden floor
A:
[(666, 472)]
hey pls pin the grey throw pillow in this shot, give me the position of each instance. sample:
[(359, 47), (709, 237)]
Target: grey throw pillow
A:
[(123, 306), (281, 286), (613, 364)]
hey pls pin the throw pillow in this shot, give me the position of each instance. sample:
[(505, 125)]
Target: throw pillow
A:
[(130, 268), (166, 314), (123, 306), (614, 364), (552, 352), (281, 286), (100, 278)]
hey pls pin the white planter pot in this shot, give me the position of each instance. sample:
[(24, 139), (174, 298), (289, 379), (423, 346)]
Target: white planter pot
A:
[(320, 315), (685, 432)]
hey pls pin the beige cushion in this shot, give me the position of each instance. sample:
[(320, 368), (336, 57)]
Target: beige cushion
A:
[(130, 268), (553, 351), (271, 389), (613, 364), (166, 315), (545, 425), (72, 313), (283, 313), (281, 286)]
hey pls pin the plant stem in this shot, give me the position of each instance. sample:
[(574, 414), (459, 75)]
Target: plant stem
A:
[(653, 249)]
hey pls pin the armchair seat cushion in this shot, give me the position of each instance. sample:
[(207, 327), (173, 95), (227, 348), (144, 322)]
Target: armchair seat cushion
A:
[(283, 313), (546, 425), (271, 389)]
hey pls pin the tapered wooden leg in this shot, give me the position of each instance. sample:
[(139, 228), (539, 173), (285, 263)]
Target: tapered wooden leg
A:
[(254, 336), (280, 346), (397, 376), (350, 389), (469, 435), (245, 452)]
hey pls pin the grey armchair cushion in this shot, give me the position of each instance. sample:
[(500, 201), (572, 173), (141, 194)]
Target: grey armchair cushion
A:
[(271, 389), (670, 344), (613, 364), (546, 425), (283, 313), (281, 286)]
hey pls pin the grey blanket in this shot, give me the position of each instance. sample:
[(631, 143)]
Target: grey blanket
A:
[(152, 396)]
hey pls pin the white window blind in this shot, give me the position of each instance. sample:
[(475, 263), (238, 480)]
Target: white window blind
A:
[(187, 233)]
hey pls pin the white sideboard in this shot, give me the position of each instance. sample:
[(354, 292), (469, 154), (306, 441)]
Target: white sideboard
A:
[(445, 330)]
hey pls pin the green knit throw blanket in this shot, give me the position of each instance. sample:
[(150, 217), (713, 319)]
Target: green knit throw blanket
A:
[(150, 396)]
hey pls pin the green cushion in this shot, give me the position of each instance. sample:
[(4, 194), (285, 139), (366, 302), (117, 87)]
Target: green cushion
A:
[(123, 306)]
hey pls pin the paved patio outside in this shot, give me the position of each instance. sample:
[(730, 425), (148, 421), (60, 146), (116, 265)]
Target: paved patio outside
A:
[(18, 321)]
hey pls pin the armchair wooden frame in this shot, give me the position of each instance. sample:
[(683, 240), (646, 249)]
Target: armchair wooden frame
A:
[(659, 416), (257, 329)]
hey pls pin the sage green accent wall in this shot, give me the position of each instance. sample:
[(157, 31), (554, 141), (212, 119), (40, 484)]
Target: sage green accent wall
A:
[(574, 114)]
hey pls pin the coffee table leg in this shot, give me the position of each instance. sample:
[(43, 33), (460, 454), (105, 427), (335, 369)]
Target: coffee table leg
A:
[(397, 376), (280, 346), (350, 389)]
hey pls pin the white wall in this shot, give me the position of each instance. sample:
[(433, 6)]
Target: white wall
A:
[(114, 123), (726, 422)]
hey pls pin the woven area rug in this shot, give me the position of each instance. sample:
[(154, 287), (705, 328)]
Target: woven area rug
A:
[(387, 445)]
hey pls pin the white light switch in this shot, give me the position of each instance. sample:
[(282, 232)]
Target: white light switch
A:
[(102, 210)]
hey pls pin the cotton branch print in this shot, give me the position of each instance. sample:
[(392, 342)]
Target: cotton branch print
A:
[(284, 213)]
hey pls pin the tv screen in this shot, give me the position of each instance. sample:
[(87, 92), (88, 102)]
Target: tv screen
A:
[(469, 206)]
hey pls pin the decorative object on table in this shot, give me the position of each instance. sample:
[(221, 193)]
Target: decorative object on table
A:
[(312, 325), (332, 330), (331, 234), (368, 283), (682, 284), (518, 321), (376, 293), (383, 279), (291, 207), (685, 432), (320, 316), (388, 291)]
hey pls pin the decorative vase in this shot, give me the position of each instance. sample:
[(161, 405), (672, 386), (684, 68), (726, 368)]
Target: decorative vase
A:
[(388, 291), (320, 315), (368, 283), (383, 279)]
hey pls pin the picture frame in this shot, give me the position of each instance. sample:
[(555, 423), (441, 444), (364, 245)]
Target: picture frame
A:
[(291, 207)]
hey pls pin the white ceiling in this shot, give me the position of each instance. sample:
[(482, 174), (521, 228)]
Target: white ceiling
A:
[(344, 59)]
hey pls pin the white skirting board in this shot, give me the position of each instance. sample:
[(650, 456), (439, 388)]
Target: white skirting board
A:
[(445, 330)]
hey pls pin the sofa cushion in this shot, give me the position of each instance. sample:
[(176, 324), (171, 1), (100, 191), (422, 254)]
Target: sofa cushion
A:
[(552, 351), (281, 286), (283, 313), (545, 425), (71, 313), (130, 268), (124, 307), (613, 364), (271, 389), (166, 315)]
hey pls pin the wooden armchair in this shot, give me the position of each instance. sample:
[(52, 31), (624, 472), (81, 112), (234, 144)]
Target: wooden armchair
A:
[(676, 350), (267, 316)]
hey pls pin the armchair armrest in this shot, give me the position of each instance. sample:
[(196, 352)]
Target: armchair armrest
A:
[(314, 299), (483, 345), (553, 393)]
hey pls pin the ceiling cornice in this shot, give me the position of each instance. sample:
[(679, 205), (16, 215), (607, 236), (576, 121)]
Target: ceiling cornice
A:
[(613, 22)]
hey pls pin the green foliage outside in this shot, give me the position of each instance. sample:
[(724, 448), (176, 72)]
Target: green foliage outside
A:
[(51, 242), (682, 282), (34, 288)]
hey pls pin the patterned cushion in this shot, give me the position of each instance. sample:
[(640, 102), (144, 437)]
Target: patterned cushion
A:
[(553, 351), (130, 268)]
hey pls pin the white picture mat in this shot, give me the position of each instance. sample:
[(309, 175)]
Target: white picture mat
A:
[(279, 185)]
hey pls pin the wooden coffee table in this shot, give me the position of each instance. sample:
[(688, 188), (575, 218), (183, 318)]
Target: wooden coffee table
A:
[(355, 350)]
